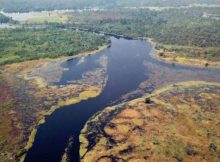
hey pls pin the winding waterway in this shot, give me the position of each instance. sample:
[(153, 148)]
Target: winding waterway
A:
[(131, 70)]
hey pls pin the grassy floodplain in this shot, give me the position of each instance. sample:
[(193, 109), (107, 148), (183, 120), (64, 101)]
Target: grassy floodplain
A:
[(175, 123), (43, 17), (187, 35), (24, 101), (21, 114)]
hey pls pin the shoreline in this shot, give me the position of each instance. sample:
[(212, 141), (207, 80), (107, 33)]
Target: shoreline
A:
[(91, 92), (71, 100), (181, 60), (110, 113), (176, 59), (155, 52), (74, 100), (83, 96)]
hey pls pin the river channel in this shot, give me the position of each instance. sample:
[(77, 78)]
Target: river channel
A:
[(131, 72)]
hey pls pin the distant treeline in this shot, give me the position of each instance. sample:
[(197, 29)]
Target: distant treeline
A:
[(174, 26), (39, 5), (181, 27)]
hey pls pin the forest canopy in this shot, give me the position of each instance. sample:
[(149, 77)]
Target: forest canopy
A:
[(192, 32), (30, 44)]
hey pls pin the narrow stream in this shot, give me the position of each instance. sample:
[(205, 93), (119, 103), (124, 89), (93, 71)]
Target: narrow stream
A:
[(129, 65)]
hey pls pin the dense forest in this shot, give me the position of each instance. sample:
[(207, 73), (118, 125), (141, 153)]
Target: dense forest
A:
[(189, 32), (33, 5), (180, 27), (4, 19), (175, 26), (29, 44)]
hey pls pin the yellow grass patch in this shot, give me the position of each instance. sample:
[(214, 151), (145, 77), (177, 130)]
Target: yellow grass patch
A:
[(175, 126), (47, 17)]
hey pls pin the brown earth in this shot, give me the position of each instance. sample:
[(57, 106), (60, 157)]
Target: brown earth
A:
[(178, 123)]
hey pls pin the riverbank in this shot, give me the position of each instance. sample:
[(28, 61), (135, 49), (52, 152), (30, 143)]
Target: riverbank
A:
[(89, 93), (168, 125), (33, 98), (190, 38), (133, 59), (183, 55), (167, 53), (39, 98)]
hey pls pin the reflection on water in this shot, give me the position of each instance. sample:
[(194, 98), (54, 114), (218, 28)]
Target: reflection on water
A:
[(78, 67)]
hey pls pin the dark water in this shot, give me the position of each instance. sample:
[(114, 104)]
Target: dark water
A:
[(77, 67), (129, 64)]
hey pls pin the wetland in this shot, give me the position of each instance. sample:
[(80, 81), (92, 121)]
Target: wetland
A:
[(131, 72), (125, 83)]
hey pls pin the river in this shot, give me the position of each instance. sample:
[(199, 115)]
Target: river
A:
[(131, 70)]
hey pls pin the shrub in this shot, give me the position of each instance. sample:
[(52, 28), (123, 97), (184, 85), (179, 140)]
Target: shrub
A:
[(212, 147), (161, 54), (148, 100), (206, 64)]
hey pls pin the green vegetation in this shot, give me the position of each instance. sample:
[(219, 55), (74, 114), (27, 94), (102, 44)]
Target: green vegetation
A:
[(30, 44), (6, 106), (148, 100), (191, 32), (187, 32), (174, 26)]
